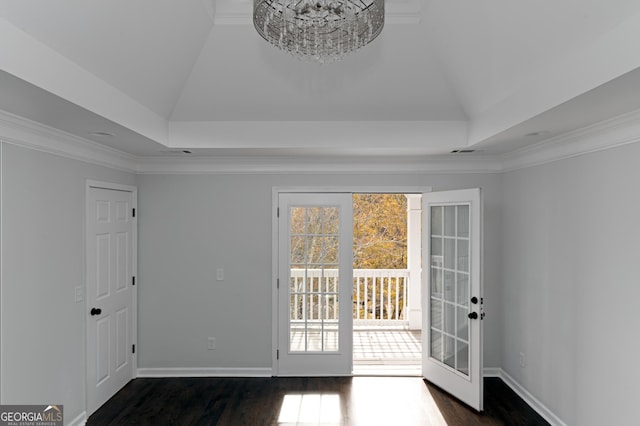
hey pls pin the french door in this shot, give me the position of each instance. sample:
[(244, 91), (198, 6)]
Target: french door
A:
[(315, 276), (452, 301)]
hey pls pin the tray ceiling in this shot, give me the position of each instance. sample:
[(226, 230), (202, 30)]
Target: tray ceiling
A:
[(495, 76)]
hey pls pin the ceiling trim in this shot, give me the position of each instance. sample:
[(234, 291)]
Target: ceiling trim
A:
[(26, 133), (317, 165), (612, 133)]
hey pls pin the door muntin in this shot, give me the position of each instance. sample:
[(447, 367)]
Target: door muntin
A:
[(450, 286)]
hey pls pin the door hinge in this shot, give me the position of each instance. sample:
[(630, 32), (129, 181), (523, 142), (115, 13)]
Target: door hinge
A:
[(133, 280), (278, 354), (133, 349), (133, 212), (278, 283), (278, 212)]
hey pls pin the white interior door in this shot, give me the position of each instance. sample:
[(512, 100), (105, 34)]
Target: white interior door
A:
[(110, 293), (452, 302), (315, 274)]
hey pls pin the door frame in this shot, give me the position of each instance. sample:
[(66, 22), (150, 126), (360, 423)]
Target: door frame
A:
[(90, 183), (275, 194)]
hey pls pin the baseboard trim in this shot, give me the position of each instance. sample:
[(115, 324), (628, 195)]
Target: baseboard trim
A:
[(204, 372), (80, 420), (492, 372), (523, 393)]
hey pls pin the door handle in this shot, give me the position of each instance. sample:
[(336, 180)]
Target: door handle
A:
[(95, 311), (473, 315)]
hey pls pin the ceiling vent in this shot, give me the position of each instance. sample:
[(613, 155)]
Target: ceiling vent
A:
[(177, 151)]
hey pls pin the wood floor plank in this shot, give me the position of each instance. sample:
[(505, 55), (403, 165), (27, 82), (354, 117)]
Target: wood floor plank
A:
[(331, 400)]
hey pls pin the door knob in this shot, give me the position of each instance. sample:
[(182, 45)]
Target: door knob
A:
[(473, 315), (95, 311), (474, 300)]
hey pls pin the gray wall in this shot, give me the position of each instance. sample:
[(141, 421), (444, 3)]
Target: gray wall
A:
[(570, 282), (42, 328), (561, 246), (191, 225)]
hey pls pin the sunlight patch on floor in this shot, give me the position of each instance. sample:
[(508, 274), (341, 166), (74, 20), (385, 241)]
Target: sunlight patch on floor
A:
[(409, 399), (310, 409)]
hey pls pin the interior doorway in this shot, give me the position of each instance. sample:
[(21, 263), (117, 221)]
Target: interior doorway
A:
[(387, 317), (111, 315)]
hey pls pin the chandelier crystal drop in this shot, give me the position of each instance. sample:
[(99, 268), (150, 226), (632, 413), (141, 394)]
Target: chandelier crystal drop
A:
[(319, 30)]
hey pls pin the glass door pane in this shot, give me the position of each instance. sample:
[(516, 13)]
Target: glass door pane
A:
[(314, 291), (449, 290)]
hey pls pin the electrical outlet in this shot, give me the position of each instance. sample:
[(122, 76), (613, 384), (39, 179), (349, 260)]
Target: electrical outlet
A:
[(219, 274), (522, 360), (212, 343)]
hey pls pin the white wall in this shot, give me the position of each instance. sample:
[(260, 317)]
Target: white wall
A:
[(571, 289), (191, 225), (42, 328)]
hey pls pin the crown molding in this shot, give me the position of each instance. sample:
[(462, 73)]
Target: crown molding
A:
[(615, 132), (20, 131), (26, 133), (611, 133), (317, 165)]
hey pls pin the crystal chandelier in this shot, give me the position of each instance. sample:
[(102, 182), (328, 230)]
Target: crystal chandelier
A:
[(319, 30)]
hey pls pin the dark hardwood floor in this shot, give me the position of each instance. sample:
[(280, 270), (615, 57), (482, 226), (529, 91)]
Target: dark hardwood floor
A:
[(306, 401)]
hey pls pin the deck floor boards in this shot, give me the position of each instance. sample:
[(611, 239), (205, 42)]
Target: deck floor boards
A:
[(387, 346)]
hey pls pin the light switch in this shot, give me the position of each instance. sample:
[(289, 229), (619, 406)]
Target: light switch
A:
[(79, 294), (219, 274)]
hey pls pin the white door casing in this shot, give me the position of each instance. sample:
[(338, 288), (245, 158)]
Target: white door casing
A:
[(315, 274), (452, 293), (110, 290)]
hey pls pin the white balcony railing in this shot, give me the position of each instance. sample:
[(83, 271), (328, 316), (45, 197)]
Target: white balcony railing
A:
[(380, 296)]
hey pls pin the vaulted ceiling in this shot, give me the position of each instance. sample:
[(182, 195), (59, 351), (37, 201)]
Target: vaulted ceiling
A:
[(160, 75)]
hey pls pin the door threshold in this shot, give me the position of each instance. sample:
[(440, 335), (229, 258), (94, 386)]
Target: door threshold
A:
[(388, 370)]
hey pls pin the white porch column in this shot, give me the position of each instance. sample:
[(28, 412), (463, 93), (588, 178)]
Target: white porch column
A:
[(414, 261)]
